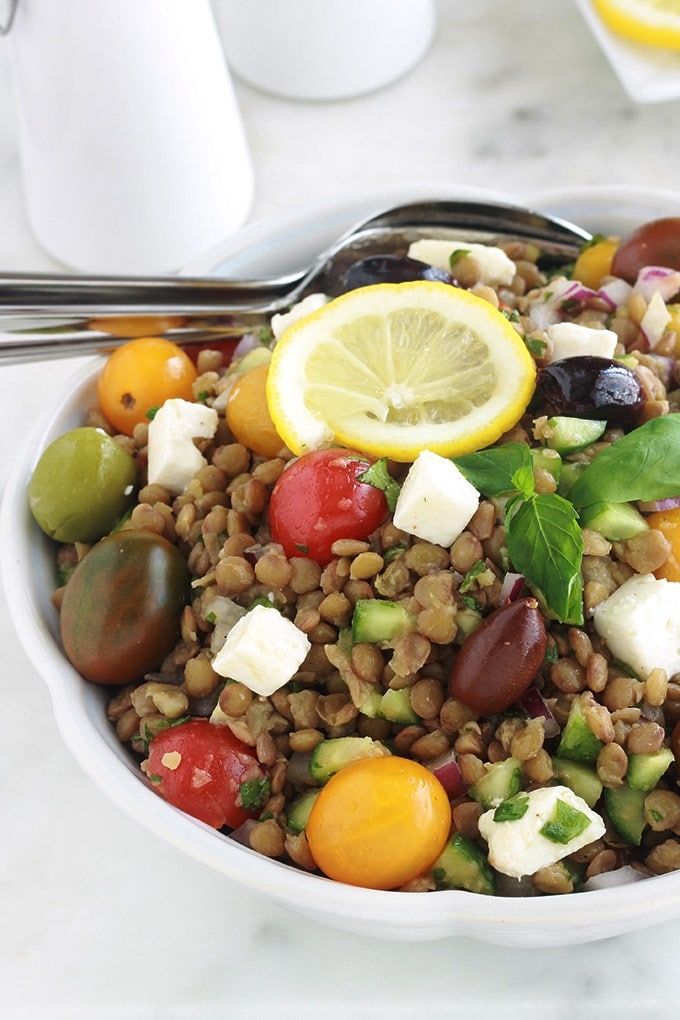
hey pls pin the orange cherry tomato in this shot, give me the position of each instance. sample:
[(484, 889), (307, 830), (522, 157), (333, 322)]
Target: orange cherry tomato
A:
[(140, 375), (668, 523), (248, 414), (379, 822), (594, 263)]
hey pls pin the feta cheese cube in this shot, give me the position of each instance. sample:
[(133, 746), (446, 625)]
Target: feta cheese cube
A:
[(263, 650), (571, 339), (493, 265), (173, 458), (282, 320), (518, 847), (640, 622), (436, 500)]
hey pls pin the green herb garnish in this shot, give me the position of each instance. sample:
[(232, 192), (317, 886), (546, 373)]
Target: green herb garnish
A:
[(254, 793), (379, 477), (566, 824), (512, 809)]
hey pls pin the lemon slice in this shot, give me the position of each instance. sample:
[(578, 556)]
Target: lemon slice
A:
[(394, 369), (654, 22)]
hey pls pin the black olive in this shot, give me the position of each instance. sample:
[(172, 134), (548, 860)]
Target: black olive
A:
[(392, 269), (590, 387)]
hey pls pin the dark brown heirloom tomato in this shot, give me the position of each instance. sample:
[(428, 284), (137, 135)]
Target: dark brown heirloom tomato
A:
[(653, 244), (499, 660), (122, 605)]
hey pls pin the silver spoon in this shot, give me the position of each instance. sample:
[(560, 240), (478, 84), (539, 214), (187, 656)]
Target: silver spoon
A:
[(47, 315)]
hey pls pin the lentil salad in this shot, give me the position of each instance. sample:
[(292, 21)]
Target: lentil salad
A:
[(220, 523)]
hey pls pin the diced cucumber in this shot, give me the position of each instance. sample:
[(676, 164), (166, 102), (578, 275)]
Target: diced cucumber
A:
[(578, 742), (572, 434), (581, 779), (616, 521), (462, 865), (502, 779), (379, 620), (300, 810), (395, 706), (645, 770), (626, 808), (333, 754), (371, 706), (467, 622), (571, 472), (547, 459)]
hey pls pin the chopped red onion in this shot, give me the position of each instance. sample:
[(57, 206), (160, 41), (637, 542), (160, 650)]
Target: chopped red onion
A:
[(657, 280), (671, 503), (615, 292), (248, 342), (511, 588), (242, 833), (559, 294), (609, 879), (447, 771), (535, 706)]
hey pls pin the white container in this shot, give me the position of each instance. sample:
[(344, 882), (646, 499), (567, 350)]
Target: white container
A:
[(324, 49), (133, 151)]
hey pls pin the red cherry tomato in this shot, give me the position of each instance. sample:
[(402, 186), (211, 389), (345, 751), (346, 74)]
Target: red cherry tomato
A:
[(200, 768), (318, 500), (653, 244)]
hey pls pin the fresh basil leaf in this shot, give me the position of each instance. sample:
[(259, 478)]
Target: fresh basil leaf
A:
[(645, 464), (545, 544), (499, 469), (379, 477)]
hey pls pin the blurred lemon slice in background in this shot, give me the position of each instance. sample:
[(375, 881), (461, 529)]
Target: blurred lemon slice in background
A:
[(654, 22), (393, 369)]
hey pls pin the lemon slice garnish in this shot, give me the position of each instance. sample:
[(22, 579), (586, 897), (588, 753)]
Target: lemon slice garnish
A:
[(654, 22), (394, 369)]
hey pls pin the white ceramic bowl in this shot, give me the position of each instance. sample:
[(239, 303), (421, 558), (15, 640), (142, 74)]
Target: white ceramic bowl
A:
[(28, 572)]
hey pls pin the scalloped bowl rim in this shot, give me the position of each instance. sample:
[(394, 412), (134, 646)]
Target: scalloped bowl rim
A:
[(28, 572)]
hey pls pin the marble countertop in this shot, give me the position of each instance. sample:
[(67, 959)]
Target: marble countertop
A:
[(98, 919)]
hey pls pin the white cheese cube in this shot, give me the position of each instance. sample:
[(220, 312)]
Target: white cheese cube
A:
[(655, 319), (436, 501), (282, 320), (173, 457), (518, 847), (640, 622), (571, 339), (263, 650), (493, 265)]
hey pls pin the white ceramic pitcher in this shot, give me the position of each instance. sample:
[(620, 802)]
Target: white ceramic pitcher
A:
[(133, 151)]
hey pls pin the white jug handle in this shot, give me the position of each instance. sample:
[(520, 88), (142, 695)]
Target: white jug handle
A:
[(9, 17)]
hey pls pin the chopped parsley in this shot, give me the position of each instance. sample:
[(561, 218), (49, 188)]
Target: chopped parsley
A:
[(254, 793)]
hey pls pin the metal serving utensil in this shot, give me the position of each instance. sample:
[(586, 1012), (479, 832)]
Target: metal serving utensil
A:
[(50, 315)]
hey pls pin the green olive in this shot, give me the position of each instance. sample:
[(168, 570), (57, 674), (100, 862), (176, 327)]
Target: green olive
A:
[(82, 484)]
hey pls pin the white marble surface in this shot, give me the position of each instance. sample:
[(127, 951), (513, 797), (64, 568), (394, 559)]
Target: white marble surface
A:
[(97, 918)]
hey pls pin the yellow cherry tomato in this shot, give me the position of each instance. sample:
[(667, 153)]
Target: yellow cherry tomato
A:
[(140, 375), (129, 326), (379, 823), (668, 523), (594, 263), (248, 414)]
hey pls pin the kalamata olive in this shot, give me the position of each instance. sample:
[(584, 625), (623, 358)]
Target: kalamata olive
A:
[(391, 269), (653, 244), (590, 387), (500, 659)]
